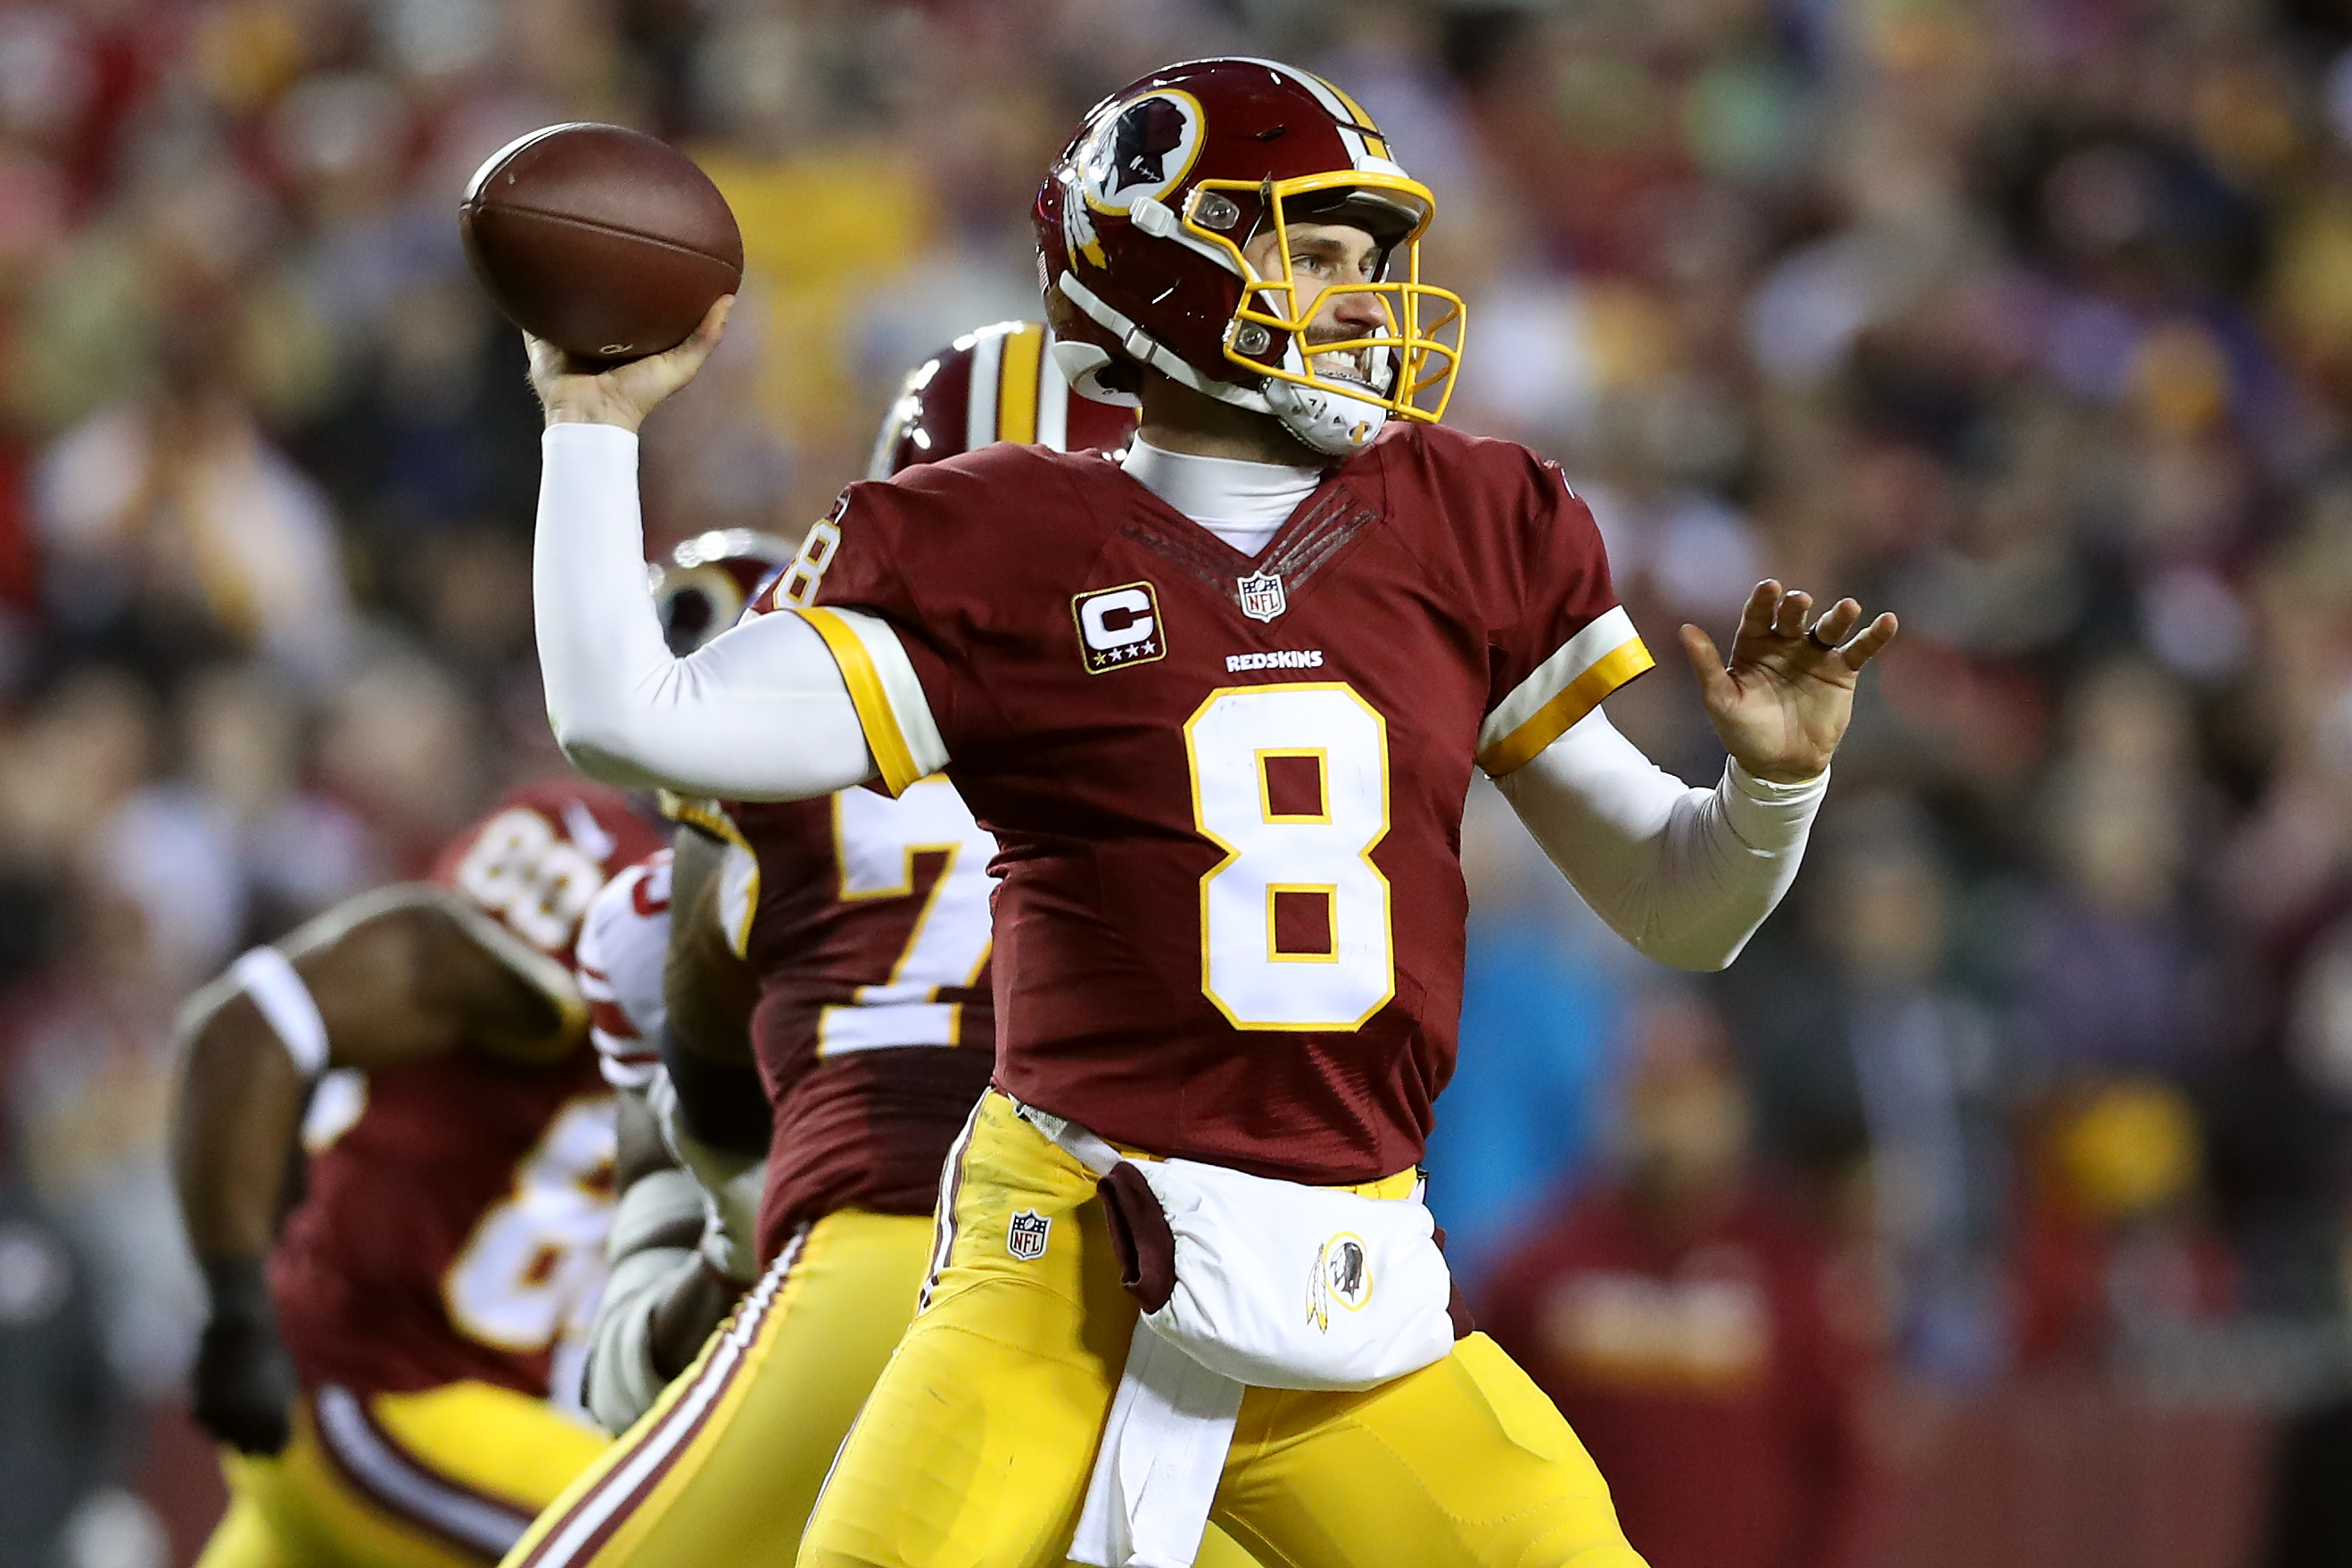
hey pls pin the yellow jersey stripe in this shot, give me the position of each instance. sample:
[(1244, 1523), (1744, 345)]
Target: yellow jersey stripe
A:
[(1016, 386), (701, 812), (738, 896), (1572, 702), (883, 736), (1571, 659)]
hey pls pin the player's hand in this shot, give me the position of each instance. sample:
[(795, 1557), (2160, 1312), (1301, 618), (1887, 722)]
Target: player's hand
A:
[(625, 393), (1782, 702), (245, 1386), (687, 1313), (732, 1184)]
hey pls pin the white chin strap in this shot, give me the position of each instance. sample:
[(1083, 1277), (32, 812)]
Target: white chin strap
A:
[(1325, 419)]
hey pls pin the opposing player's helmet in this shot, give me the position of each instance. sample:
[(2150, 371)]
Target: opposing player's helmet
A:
[(998, 383), (1140, 227), (707, 580)]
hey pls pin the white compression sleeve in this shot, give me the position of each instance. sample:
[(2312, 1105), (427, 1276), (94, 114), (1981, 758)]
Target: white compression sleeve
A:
[(760, 712), (1685, 875)]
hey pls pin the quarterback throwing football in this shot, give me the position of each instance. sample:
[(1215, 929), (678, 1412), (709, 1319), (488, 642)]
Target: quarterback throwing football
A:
[(1218, 702)]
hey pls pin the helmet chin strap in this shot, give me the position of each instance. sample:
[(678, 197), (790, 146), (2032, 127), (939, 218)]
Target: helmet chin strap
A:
[(1323, 419)]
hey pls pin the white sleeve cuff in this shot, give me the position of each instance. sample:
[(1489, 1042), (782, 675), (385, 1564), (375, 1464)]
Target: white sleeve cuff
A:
[(581, 442), (1769, 817)]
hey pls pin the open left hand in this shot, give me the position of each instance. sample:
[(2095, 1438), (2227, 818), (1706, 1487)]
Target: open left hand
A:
[(1781, 704)]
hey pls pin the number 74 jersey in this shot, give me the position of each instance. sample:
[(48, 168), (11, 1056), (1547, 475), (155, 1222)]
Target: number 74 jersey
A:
[(1227, 789), (866, 922)]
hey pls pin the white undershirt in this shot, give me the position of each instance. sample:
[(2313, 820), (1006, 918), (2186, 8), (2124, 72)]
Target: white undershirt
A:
[(1241, 502), (761, 712)]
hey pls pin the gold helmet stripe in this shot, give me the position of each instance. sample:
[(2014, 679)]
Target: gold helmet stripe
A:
[(1358, 132), (1375, 143), (1016, 390)]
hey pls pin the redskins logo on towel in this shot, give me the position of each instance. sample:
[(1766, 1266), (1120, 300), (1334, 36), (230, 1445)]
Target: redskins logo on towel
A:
[(1343, 1273)]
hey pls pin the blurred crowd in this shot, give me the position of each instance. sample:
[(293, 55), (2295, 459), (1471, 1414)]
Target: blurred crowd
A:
[(2029, 319)]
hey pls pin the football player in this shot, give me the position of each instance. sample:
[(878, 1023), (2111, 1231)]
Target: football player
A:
[(397, 1378), (383, 1371), (865, 922), (1218, 703)]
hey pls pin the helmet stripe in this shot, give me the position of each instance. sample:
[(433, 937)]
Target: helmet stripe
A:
[(1374, 142), (1053, 399), (1358, 131), (1312, 83), (1016, 393), (980, 404)]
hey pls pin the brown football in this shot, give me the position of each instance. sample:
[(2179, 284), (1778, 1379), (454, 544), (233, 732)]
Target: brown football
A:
[(599, 239)]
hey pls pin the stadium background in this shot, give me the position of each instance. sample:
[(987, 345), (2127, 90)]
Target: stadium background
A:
[(2031, 320)]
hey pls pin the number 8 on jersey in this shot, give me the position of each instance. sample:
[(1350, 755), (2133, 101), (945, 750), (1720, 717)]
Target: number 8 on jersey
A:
[(1292, 783)]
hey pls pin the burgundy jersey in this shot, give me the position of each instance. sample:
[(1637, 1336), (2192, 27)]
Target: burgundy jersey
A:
[(867, 921), (1228, 789), (455, 1227)]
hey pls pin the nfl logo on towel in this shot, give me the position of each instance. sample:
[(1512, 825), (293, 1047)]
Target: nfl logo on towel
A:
[(1025, 1238), (1261, 594)]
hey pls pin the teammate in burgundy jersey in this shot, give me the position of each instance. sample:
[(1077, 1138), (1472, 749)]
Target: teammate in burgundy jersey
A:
[(868, 925), (1219, 704), (448, 1242)]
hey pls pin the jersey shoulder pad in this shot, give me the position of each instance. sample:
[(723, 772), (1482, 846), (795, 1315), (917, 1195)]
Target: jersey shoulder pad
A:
[(1490, 467), (979, 488)]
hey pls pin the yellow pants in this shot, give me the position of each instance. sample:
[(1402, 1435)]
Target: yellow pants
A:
[(975, 1447), (724, 1468), (446, 1478)]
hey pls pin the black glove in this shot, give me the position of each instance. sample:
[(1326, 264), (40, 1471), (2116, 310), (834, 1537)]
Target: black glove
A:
[(243, 1387)]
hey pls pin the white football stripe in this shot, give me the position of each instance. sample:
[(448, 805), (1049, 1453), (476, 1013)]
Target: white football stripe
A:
[(980, 406), (393, 1480)]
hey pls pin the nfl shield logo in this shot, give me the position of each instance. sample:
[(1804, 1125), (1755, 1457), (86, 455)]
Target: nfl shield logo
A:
[(1025, 1238), (1261, 595)]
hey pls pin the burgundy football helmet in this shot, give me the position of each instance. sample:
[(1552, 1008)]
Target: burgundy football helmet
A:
[(707, 580), (1140, 227), (998, 383)]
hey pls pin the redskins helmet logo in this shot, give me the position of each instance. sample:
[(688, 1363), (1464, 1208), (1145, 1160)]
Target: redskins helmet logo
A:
[(1145, 147)]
